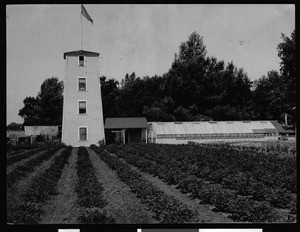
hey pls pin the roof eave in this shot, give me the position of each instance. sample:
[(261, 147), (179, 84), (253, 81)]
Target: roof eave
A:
[(80, 52)]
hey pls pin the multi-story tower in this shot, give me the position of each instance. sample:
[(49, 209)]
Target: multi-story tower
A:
[(82, 123)]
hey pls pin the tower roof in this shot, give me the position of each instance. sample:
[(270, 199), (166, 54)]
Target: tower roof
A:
[(80, 52)]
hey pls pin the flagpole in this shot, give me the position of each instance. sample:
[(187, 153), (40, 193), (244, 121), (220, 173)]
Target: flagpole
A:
[(80, 28)]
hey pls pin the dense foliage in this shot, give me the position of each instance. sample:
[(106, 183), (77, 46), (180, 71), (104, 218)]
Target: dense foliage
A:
[(46, 108), (14, 126), (236, 182)]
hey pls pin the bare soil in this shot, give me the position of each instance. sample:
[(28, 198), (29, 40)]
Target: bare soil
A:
[(14, 193), (62, 208), (122, 205)]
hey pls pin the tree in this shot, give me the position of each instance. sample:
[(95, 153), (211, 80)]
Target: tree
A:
[(47, 107), (183, 82), (137, 93), (14, 126), (161, 110), (268, 96), (206, 83), (275, 94), (110, 94), (156, 114), (287, 54), (182, 114), (30, 111), (192, 49), (50, 100)]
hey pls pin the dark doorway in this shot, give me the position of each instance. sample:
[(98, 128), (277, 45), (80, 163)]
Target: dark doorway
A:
[(134, 135)]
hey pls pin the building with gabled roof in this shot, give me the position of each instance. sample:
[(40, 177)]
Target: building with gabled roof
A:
[(126, 130)]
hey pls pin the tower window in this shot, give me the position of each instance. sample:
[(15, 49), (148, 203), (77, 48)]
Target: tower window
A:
[(82, 107), (81, 60), (82, 133), (82, 83)]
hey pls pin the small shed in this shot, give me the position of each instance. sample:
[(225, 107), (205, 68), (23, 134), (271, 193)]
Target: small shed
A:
[(126, 130)]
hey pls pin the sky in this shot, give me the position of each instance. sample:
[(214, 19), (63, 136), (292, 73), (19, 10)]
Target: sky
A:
[(136, 38)]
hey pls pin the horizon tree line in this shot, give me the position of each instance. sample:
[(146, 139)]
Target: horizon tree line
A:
[(197, 87)]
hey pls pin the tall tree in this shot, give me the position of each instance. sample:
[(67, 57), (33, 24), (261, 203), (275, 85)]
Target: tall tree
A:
[(206, 83), (47, 107), (160, 110), (267, 95), (275, 94), (30, 112), (183, 80), (287, 54), (50, 100), (110, 94)]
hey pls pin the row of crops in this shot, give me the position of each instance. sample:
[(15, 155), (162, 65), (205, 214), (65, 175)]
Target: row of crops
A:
[(13, 150), (247, 185), (272, 148), (88, 189), (40, 189), (89, 192), (44, 185), (20, 171), (166, 209)]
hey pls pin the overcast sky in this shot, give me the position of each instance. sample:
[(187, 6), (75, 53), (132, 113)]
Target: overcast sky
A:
[(139, 38)]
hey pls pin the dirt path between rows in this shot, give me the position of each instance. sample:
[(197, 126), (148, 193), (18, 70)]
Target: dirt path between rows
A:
[(122, 205), (14, 198), (205, 215), (62, 208), (10, 167)]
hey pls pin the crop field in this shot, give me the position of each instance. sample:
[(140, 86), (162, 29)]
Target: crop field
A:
[(150, 183)]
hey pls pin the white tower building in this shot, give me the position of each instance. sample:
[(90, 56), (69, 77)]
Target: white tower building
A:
[(82, 123)]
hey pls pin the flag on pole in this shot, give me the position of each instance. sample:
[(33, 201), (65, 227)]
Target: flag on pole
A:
[(86, 14)]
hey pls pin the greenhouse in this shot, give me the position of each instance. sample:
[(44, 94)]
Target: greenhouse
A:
[(211, 131)]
